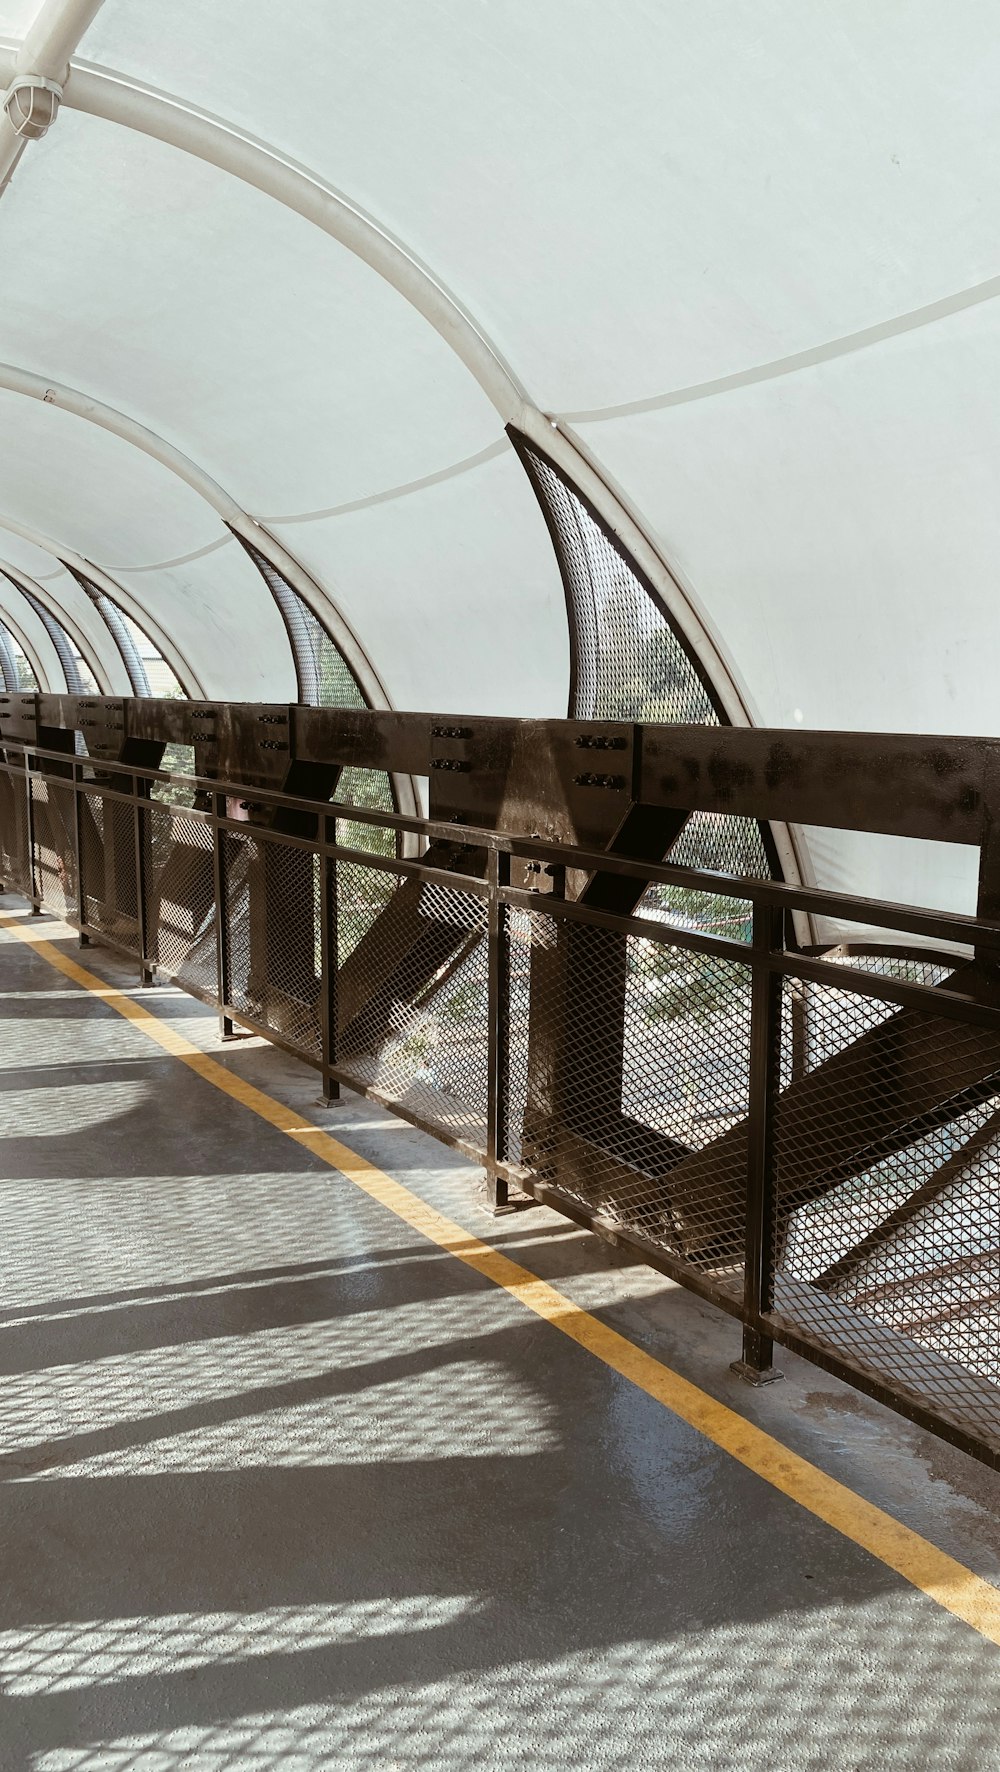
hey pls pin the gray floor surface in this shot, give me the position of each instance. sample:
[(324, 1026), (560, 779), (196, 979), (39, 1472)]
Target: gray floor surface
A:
[(285, 1486)]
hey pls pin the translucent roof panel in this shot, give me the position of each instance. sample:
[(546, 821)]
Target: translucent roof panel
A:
[(638, 198), (841, 526), (274, 357), (223, 621), (454, 590), (738, 265), (64, 597)]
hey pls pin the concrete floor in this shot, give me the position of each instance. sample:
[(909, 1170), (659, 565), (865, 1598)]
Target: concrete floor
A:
[(285, 1486)]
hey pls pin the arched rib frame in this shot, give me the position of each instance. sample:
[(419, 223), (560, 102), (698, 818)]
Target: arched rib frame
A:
[(104, 93), (84, 645), (183, 670), (117, 98), (120, 424), (31, 653)]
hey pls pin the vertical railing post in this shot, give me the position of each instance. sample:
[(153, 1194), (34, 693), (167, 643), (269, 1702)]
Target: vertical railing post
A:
[(140, 791), (81, 899), (226, 1028), (328, 954), (498, 1028), (36, 903), (756, 1365)]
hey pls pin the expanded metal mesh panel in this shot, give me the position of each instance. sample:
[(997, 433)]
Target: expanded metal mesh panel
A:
[(362, 896), (887, 1212), (371, 788), (180, 898), (325, 678), (8, 669), (16, 872), (629, 1065), (108, 867), (178, 759), (26, 672), (78, 675), (148, 671), (718, 843), (630, 665), (92, 856), (54, 850), (412, 997), (335, 683), (817, 1021), (273, 952), (126, 640)]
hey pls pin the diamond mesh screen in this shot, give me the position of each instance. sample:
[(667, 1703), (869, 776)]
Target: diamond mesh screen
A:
[(272, 894), (78, 675), (178, 759), (887, 1213), (24, 671), (148, 671), (629, 664), (108, 868), (14, 832), (8, 668), (325, 680), (54, 852), (412, 997), (627, 1057), (720, 844), (180, 897), (371, 788)]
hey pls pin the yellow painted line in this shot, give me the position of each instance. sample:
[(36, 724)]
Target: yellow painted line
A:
[(928, 1568)]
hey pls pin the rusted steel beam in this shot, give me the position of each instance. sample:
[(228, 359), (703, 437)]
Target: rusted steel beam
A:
[(898, 783)]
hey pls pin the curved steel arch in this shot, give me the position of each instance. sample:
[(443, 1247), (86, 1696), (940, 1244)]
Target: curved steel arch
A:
[(28, 585), (14, 626), (117, 98), (74, 562), (236, 519)]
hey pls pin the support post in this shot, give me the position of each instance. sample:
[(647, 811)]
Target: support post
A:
[(988, 897), (81, 901), (498, 1027), (328, 950), (36, 904), (140, 790), (226, 1029), (757, 1364)]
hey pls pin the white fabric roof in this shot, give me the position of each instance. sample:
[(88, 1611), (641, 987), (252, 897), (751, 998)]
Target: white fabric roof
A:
[(745, 256)]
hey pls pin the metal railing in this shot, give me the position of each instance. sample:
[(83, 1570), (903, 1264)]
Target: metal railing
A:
[(811, 1143)]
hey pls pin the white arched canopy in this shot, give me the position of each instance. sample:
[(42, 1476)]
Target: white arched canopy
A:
[(733, 267)]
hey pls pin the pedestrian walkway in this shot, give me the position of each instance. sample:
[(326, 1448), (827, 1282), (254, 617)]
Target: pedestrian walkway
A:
[(308, 1462)]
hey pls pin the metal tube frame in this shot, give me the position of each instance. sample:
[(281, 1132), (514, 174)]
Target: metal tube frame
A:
[(769, 958)]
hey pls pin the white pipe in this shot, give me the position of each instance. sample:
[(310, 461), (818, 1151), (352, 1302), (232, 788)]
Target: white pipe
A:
[(53, 35), (117, 98), (100, 92), (103, 676), (49, 393), (179, 664), (45, 661), (51, 39)]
